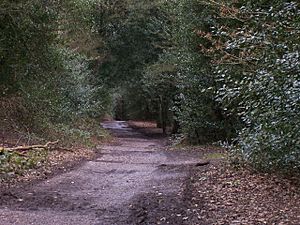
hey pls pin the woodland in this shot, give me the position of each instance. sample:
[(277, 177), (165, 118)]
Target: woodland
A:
[(221, 72)]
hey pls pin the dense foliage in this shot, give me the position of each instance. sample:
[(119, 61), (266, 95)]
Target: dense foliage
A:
[(257, 68), (242, 75), (48, 67), (131, 31)]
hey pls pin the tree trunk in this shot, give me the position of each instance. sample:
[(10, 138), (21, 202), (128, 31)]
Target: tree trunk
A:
[(175, 126), (164, 115)]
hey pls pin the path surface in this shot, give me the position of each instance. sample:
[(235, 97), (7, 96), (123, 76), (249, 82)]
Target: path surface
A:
[(135, 181)]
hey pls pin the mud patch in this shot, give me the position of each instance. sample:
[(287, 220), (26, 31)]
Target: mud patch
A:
[(36, 201), (152, 208), (173, 208)]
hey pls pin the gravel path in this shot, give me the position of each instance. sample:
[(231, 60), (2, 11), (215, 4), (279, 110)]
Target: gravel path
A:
[(135, 181)]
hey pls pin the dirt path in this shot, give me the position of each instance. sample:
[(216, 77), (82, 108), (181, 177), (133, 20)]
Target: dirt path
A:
[(134, 182)]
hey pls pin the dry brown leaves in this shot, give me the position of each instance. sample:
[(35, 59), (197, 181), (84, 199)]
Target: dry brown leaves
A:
[(224, 195), (142, 124)]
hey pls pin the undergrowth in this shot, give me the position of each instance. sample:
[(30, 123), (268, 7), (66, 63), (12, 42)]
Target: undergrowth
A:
[(13, 163), (80, 134)]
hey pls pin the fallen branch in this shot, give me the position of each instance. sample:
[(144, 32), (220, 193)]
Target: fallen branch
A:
[(26, 148)]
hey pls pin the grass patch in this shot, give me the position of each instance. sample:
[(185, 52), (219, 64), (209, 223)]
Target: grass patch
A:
[(215, 155), (81, 133)]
